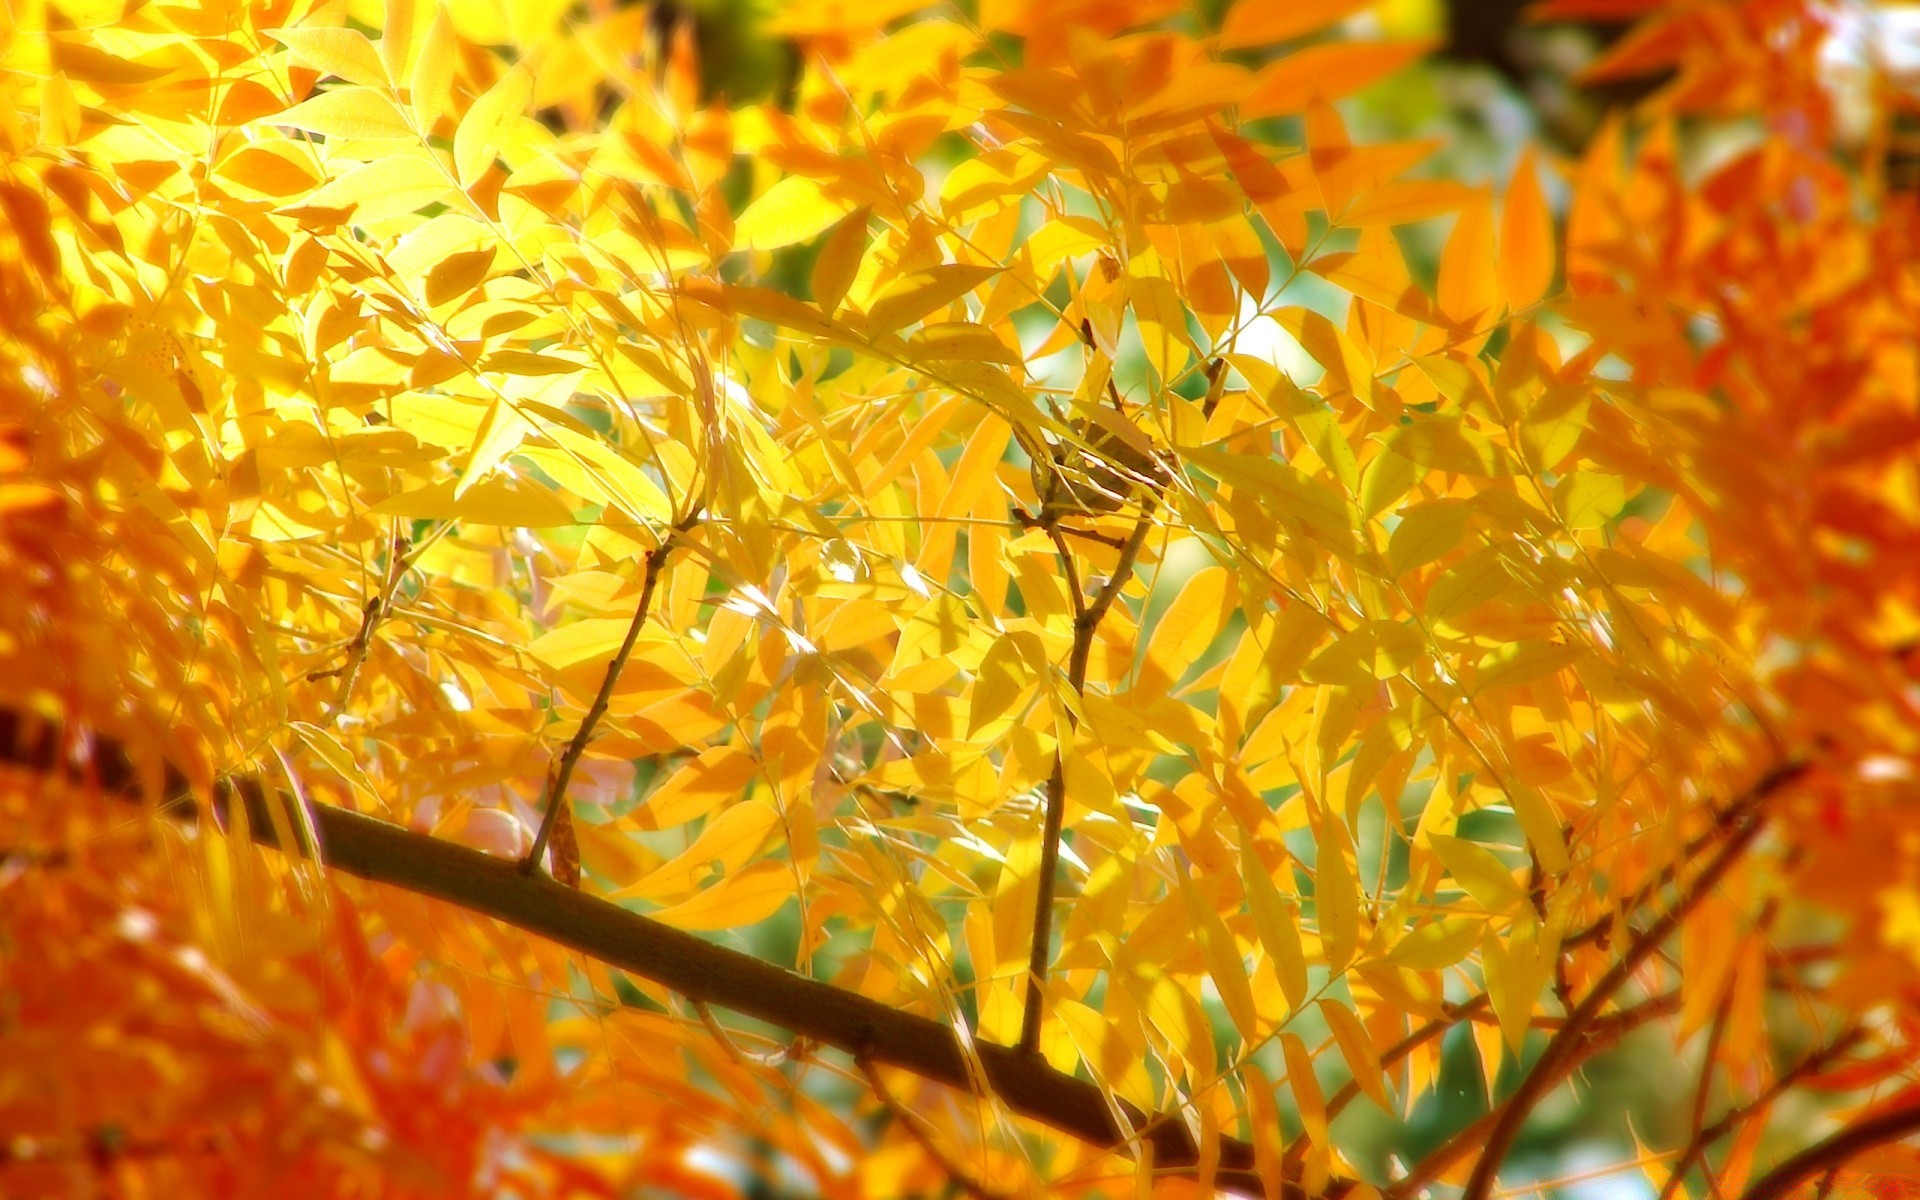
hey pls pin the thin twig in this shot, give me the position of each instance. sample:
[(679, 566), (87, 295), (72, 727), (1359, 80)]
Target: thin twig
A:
[(1706, 1135), (1087, 616), (1834, 1152), (925, 1135), (1086, 623), (399, 558), (1597, 1038), (1564, 1050), (557, 791), (792, 1052)]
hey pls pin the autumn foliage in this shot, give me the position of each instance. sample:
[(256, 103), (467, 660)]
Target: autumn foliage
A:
[(1190, 628)]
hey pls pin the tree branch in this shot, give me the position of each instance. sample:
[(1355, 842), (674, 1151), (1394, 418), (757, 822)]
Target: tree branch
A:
[(1706, 1135), (1600, 1036), (1563, 1051), (557, 792), (700, 970), (1086, 623), (1834, 1152)]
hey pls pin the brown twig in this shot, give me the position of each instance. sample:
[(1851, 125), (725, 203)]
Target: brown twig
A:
[(1706, 1135), (1725, 822), (1350, 1091), (926, 1137), (1598, 1037), (1564, 1049), (1834, 1152), (1087, 616), (656, 562), (400, 557), (792, 1052), (1086, 623)]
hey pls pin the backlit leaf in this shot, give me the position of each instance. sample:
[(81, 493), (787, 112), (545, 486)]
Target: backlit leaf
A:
[(343, 52), (745, 898), (477, 139), (1263, 24), (347, 112), (793, 210), (1325, 73), (923, 293), (1526, 238)]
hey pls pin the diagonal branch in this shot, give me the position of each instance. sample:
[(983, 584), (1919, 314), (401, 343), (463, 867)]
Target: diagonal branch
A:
[(1705, 1135), (700, 970), (1746, 817), (557, 792), (1834, 1152)]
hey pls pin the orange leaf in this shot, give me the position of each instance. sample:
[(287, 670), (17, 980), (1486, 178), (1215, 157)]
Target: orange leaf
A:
[(1326, 73), (1525, 265), (1264, 22)]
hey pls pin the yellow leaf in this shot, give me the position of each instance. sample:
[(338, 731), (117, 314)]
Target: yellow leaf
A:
[(1449, 444), (1515, 972), (838, 261), (586, 458), (1386, 478), (922, 293), (1325, 72), (1525, 266), (698, 787), (494, 501), (458, 274), (1375, 273), (1538, 822), (1522, 662), (1306, 1090), (528, 362), (476, 139), (1373, 650), (59, 112), (1222, 955), (1356, 1046), (1588, 499), (1283, 489), (390, 187), (794, 209), (594, 639), (1276, 920), (730, 840), (336, 756), (1262, 23), (343, 52), (961, 340), (1474, 580), (1002, 676), (1192, 621), (500, 435), (1468, 293), (1426, 532), (1162, 317), (747, 898), (613, 854), (431, 86), (1404, 203), (347, 112), (447, 421), (1437, 945), (396, 38), (1336, 893), (1478, 870)]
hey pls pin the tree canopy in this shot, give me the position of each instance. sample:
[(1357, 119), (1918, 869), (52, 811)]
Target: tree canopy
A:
[(1042, 605)]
